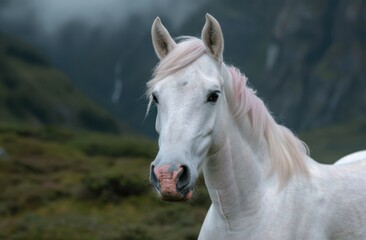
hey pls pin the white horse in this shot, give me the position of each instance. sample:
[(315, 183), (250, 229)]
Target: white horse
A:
[(262, 183)]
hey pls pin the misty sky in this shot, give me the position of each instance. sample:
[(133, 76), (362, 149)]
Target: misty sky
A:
[(50, 15)]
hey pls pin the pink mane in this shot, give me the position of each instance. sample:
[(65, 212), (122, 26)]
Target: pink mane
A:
[(286, 150)]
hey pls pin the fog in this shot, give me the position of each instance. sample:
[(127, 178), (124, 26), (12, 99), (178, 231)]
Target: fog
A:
[(298, 45), (87, 38), (50, 15)]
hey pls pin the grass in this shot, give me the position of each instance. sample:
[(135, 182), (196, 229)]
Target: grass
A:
[(63, 184)]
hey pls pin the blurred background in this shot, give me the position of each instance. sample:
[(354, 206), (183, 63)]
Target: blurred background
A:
[(75, 145)]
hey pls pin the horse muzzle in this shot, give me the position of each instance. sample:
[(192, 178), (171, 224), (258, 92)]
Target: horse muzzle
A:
[(172, 182)]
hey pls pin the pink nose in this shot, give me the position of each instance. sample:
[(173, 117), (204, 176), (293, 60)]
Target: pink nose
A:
[(172, 180)]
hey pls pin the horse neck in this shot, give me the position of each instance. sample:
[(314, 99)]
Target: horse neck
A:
[(235, 172)]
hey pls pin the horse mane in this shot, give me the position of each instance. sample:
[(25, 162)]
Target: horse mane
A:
[(287, 152)]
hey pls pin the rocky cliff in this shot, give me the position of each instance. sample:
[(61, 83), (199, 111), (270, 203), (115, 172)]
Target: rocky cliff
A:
[(306, 58)]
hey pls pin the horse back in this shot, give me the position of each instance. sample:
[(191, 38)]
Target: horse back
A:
[(353, 157)]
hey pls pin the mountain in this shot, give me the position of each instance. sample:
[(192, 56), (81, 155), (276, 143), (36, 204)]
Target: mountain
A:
[(306, 58), (32, 91)]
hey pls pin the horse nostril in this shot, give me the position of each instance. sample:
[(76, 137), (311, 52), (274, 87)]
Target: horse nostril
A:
[(153, 179), (183, 178)]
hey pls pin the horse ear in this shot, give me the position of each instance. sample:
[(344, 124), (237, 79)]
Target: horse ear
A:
[(162, 41), (212, 37)]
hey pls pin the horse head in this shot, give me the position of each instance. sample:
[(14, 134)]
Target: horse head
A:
[(187, 89)]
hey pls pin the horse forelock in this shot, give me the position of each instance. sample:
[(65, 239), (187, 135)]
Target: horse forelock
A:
[(286, 151), (187, 51)]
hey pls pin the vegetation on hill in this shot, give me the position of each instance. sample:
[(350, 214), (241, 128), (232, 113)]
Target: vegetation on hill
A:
[(61, 184), (33, 92), (329, 144)]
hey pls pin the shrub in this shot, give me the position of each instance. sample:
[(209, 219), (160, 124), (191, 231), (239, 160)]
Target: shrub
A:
[(98, 122), (115, 146), (109, 186), (71, 226), (135, 233), (29, 196)]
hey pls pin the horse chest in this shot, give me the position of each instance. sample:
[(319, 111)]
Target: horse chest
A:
[(284, 224)]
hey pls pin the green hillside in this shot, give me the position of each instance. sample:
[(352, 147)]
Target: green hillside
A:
[(33, 92), (62, 184)]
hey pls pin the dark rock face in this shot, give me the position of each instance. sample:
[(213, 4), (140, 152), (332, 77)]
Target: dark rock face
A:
[(318, 74), (306, 58)]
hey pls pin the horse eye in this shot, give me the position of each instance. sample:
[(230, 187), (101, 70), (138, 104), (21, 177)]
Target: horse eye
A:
[(212, 98), (155, 99)]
